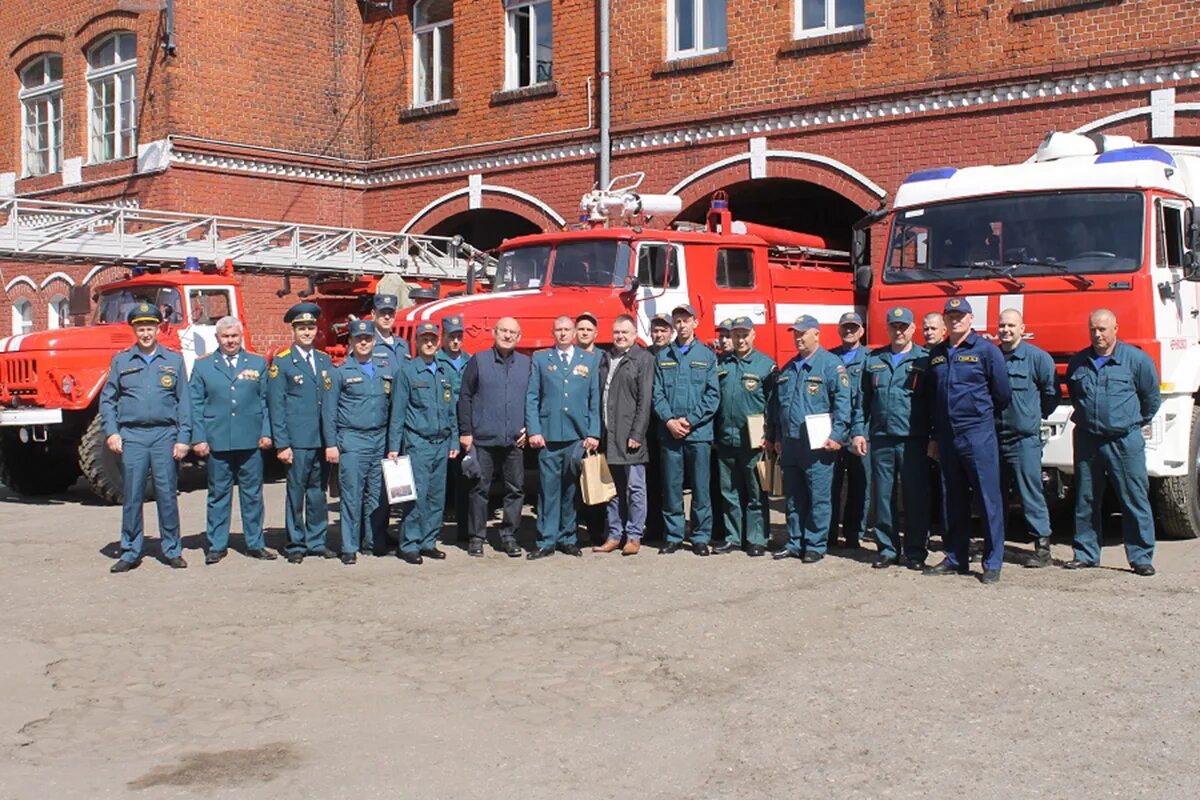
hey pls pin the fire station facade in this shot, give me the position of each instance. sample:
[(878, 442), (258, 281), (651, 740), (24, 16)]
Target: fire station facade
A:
[(482, 117)]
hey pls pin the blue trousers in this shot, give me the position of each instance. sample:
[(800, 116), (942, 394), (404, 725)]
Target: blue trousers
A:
[(852, 469), (557, 478), (971, 465), (742, 497), (627, 511), (1021, 471), (906, 459), (226, 469), (680, 458), (359, 476), (306, 514), (149, 449), (807, 484), (1123, 461), (423, 519)]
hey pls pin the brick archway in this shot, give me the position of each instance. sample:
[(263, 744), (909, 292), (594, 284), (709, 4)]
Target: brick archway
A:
[(501, 198)]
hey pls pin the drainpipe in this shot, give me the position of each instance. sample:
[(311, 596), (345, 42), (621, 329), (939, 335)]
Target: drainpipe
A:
[(605, 145)]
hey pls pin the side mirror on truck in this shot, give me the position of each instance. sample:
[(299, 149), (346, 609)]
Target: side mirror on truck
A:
[(1191, 240), (79, 304)]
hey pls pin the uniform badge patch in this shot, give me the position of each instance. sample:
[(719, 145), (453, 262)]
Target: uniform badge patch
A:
[(581, 370), (845, 379), (813, 388), (448, 394), (937, 360), (387, 386), (167, 380), (328, 382), (273, 372), (750, 384)]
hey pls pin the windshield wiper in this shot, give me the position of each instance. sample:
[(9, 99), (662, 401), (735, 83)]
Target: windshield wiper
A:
[(1061, 269), (1000, 270)]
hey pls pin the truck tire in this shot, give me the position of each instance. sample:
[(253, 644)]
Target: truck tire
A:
[(1176, 501), (100, 466), (35, 468)]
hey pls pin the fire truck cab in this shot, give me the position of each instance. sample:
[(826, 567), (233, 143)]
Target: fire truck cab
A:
[(1088, 222)]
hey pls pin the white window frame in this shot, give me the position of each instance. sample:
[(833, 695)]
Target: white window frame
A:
[(436, 30), (58, 312), (95, 77), (512, 70), (29, 98), (673, 53), (21, 308), (798, 22)]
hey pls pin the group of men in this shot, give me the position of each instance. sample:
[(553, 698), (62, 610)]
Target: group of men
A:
[(663, 416)]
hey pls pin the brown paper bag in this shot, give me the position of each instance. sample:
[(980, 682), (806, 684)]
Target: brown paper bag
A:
[(596, 481), (770, 474)]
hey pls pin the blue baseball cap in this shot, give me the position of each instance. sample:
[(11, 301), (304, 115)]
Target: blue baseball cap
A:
[(452, 324), (361, 327), (900, 314), (957, 305), (725, 325), (741, 324), (386, 302), (686, 308), (426, 327), (805, 323), (660, 319), (851, 318), (302, 313)]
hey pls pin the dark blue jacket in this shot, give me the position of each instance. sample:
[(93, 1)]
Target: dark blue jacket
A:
[(147, 394), (229, 406), (1120, 397), (970, 387), (491, 400), (819, 386)]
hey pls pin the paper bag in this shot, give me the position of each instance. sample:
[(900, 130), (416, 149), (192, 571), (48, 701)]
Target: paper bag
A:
[(756, 426), (770, 475), (596, 481), (398, 480)]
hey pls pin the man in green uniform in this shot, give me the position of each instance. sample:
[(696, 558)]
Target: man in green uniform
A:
[(747, 380), (452, 361), (896, 422), (424, 427), (850, 467)]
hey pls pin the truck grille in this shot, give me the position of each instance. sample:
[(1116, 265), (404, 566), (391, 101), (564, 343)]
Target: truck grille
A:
[(17, 373)]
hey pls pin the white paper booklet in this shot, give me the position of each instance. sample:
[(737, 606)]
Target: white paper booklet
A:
[(819, 427), (398, 479)]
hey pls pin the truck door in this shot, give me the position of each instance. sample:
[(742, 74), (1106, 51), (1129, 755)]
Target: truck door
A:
[(662, 282), (206, 306), (742, 289)]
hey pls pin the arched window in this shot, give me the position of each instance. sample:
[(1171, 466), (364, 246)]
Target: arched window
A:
[(58, 314), (41, 97), (433, 43), (112, 97), (22, 317)]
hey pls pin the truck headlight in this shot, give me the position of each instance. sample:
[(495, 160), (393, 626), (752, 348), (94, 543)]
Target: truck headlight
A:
[(68, 386)]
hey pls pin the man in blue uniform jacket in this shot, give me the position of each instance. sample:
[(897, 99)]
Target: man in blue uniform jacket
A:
[(230, 426), (147, 417), (298, 379), (562, 410), (970, 388)]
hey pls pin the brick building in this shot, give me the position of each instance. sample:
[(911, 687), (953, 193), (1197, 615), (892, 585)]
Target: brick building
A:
[(480, 117)]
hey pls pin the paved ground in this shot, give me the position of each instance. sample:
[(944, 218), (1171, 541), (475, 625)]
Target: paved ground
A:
[(600, 677)]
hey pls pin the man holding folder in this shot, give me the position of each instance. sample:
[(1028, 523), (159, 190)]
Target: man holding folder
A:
[(747, 380), (809, 423)]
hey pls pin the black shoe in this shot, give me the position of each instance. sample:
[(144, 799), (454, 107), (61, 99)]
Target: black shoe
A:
[(123, 566), (512, 549), (944, 567), (177, 563), (914, 564), (570, 550), (349, 558), (545, 552), (722, 549), (810, 557), (784, 553), (853, 544), (324, 552), (883, 562), (1075, 563), (1145, 570), (295, 558), (670, 547), (434, 553), (756, 551), (214, 556), (701, 549), (1040, 557), (262, 555), (475, 548), (990, 576), (409, 558)]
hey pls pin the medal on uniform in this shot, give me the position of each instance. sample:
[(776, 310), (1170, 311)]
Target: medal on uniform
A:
[(297, 379), (750, 383), (448, 394), (273, 371), (813, 388), (328, 381)]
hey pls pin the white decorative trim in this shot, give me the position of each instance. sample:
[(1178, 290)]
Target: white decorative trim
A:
[(1130, 113), (62, 276), (483, 187), (93, 272), (371, 173), (8, 184), (475, 190), (832, 163), (72, 171), (20, 279), (758, 158)]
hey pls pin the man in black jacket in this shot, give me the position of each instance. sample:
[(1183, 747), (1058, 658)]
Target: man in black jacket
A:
[(626, 380), (491, 424)]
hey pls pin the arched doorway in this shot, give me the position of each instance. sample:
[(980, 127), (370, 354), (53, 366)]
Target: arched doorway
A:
[(789, 203), (484, 228)]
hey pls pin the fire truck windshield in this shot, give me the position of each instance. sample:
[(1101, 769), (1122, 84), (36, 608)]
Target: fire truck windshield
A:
[(114, 305), (1017, 235), (599, 262)]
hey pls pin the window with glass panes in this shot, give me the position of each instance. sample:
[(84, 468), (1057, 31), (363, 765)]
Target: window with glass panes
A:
[(695, 27), (818, 17), (41, 97), (530, 43), (433, 43), (112, 98)]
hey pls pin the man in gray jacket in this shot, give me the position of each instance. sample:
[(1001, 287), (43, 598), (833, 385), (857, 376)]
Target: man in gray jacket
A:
[(626, 380), (491, 426)]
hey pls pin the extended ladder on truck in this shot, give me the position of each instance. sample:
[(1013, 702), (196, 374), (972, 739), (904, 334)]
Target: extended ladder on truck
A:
[(42, 230)]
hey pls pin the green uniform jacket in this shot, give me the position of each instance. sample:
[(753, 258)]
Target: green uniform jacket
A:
[(354, 416), (854, 368), (1034, 392), (895, 399), (747, 386), (423, 405), (685, 385), (819, 386), (1118, 397)]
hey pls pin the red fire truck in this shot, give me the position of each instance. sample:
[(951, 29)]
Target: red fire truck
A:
[(614, 263), (1088, 222)]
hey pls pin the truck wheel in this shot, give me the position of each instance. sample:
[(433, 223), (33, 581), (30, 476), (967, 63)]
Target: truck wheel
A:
[(1176, 501), (101, 467), (35, 468)]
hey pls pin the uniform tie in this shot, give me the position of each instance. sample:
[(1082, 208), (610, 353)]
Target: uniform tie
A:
[(562, 356)]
